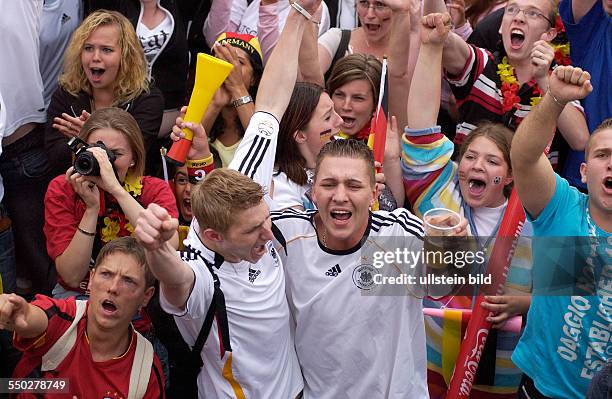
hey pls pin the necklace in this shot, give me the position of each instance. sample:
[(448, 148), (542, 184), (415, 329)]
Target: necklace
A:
[(510, 87), (371, 50), (324, 237), (323, 234), (367, 42)]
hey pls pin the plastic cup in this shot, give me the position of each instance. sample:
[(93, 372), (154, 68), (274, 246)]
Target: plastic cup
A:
[(441, 222)]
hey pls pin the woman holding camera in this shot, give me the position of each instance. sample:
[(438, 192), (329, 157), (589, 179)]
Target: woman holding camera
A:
[(83, 212), (104, 66)]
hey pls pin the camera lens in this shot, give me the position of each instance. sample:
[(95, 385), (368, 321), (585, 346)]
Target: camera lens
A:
[(86, 164)]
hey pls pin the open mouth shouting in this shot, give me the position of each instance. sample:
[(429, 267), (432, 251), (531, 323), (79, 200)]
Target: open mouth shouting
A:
[(476, 187), (517, 38), (96, 74), (187, 205), (372, 28), (109, 307), (348, 122), (340, 217), (607, 183)]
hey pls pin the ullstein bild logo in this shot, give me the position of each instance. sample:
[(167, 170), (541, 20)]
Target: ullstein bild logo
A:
[(471, 363)]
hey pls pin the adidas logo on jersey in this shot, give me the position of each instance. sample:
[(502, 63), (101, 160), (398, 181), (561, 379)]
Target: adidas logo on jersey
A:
[(334, 271), (190, 253), (253, 274)]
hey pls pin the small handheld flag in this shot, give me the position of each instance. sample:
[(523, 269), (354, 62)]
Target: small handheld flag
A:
[(378, 129)]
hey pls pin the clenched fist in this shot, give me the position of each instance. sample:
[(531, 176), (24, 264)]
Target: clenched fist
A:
[(154, 227), (568, 83), (435, 28)]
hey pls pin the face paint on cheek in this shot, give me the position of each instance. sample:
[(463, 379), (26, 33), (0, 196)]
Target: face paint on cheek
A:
[(497, 180), (324, 135)]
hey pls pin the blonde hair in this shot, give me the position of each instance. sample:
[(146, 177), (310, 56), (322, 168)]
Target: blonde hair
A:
[(124, 123), (132, 78), (223, 192)]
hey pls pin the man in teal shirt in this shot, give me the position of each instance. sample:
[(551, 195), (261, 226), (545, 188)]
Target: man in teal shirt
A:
[(567, 338)]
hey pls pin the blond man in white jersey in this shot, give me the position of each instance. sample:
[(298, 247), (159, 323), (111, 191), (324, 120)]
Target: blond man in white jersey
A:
[(230, 263)]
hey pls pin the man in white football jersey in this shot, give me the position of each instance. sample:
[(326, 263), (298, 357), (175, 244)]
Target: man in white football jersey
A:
[(354, 336), (230, 273)]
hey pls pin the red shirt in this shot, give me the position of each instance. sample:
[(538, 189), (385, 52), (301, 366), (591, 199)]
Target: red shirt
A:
[(87, 378), (64, 210)]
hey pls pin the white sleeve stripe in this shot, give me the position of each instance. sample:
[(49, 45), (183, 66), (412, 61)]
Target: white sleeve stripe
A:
[(416, 233), (412, 232), (249, 158), (253, 153), (418, 224), (261, 158), (410, 218), (288, 210), (389, 223), (404, 220), (247, 155)]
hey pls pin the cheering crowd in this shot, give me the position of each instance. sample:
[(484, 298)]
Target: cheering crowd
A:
[(245, 269)]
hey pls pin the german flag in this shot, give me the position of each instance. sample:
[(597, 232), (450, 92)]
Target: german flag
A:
[(378, 129)]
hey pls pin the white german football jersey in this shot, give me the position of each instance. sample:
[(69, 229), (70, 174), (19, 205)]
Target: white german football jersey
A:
[(354, 337), (263, 362)]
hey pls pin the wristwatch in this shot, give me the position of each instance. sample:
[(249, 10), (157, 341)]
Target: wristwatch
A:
[(241, 101)]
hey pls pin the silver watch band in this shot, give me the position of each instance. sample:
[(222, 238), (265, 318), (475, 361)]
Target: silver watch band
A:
[(301, 10), (242, 100)]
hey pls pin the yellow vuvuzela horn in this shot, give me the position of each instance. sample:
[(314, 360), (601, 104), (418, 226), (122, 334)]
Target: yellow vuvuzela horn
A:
[(210, 74)]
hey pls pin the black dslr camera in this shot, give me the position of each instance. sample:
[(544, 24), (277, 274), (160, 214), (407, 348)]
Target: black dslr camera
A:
[(84, 161)]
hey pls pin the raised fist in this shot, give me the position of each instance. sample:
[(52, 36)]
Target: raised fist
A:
[(456, 8), (568, 83), (154, 227), (435, 28)]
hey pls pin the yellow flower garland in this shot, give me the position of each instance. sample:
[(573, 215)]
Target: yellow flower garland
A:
[(506, 72), (133, 185), (510, 85), (110, 230)]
